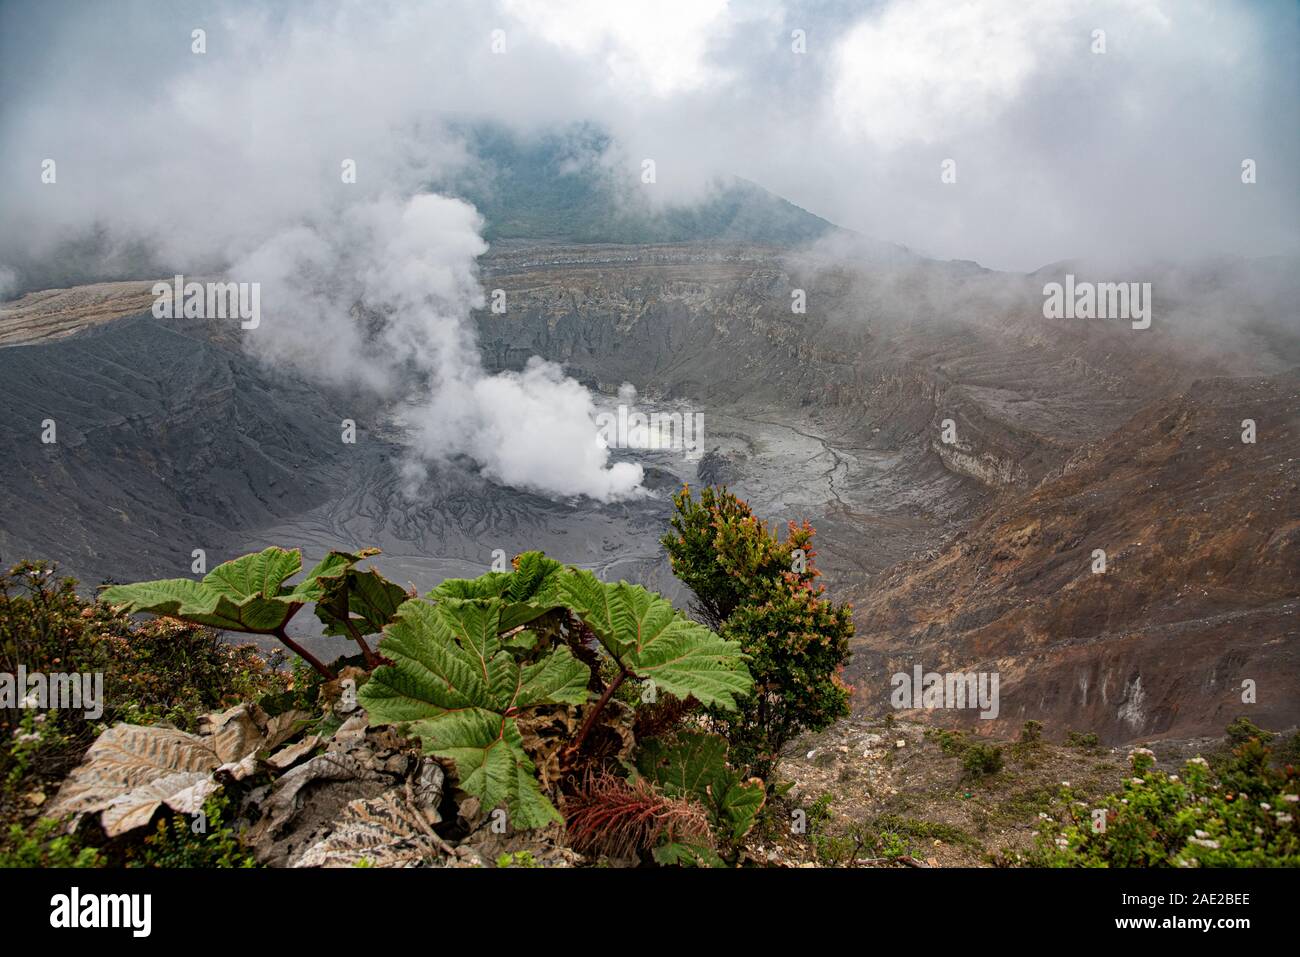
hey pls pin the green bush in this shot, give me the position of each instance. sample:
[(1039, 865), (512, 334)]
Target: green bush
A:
[(44, 845), (155, 671), (182, 841), (1243, 730), (1031, 733), (762, 592), (981, 760), (1240, 813), (161, 670), (1086, 742), (950, 742)]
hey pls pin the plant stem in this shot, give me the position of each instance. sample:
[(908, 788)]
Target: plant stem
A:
[(304, 654), (590, 720), (372, 660)]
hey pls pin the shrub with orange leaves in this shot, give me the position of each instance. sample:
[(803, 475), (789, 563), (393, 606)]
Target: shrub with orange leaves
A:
[(762, 591)]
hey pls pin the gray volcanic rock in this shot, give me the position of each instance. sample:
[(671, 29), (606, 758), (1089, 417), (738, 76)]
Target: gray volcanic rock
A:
[(165, 442), (715, 469)]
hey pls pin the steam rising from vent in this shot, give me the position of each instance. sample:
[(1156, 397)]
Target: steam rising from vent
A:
[(381, 298)]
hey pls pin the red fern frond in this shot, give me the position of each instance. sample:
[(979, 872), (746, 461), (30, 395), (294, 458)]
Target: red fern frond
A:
[(613, 816)]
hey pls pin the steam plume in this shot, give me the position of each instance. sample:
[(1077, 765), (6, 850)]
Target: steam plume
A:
[(381, 298)]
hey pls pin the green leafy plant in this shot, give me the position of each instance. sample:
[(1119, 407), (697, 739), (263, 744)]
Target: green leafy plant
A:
[(1241, 812), (356, 603), (950, 742), (46, 845), (176, 841), (649, 640), (1086, 741), (517, 859), (678, 854), (1243, 730), (453, 681), (249, 594), (761, 593), (465, 669), (981, 760), (525, 594), (694, 765)]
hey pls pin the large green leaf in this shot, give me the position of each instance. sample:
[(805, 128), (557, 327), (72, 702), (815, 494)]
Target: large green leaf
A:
[(246, 594), (459, 690), (694, 765), (525, 593), (240, 595), (737, 802), (534, 579), (330, 570), (686, 765), (655, 642), (261, 573), (366, 600)]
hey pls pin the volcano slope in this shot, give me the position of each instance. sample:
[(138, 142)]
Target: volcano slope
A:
[(165, 440), (1190, 620)]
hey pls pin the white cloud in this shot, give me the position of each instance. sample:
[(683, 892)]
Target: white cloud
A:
[(660, 48), (926, 70), (1068, 154)]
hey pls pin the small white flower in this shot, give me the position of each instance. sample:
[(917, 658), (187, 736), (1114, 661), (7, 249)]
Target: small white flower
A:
[(1135, 780), (1065, 784), (1212, 845), (1284, 819), (25, 738), (1201, 761), (1265, 805), (1291, 798), (1173, 778), (1202, 834)]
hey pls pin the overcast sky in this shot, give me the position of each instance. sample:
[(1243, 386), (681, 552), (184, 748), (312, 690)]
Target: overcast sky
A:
[(1060, 151)]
